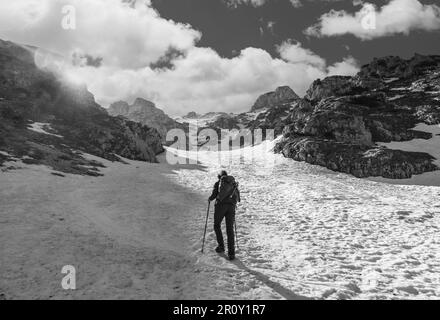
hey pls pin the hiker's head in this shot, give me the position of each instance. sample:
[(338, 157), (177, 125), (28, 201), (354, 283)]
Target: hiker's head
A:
[(221, 174)]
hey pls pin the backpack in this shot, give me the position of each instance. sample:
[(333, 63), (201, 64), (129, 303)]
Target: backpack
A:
[(228, 190)]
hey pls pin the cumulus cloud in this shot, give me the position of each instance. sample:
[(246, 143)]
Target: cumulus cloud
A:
[(395, 17), (125, 34), (126, 50), (204, 81), (295, 53), (347, 67)]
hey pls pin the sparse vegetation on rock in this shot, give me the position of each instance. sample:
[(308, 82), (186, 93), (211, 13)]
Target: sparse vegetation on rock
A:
[(77, 124)]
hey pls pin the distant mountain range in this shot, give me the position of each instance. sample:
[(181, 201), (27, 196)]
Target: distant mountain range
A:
[(145, 112), (266, 103)]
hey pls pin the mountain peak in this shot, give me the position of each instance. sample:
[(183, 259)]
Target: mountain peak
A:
[(192, 115), (281, 95), (143, 102)]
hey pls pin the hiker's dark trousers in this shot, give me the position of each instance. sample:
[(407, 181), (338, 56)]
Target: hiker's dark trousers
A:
[(226, 211)]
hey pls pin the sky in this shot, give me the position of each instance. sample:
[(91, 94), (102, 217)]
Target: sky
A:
[(214, 55)]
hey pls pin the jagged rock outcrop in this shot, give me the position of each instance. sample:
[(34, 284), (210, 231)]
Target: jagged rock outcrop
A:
[(328, 87), (145, 112), (271, 99), (374, 76), (276, 118), (341, 119), (396, 67), (78, 124), (336, 86)]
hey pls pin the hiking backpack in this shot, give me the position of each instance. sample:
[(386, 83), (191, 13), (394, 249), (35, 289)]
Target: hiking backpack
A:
[(228, 190)]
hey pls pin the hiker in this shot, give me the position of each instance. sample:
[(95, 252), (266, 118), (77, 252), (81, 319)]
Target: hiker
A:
[(227, 195)]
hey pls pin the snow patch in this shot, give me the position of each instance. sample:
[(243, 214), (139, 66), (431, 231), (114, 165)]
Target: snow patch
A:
[(40, 128), (389, 80), (396, 97)]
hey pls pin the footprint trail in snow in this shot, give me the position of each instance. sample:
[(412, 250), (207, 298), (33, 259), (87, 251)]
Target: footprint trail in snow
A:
[(305, 231)]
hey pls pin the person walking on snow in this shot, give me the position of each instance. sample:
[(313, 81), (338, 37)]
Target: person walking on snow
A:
[(227, 195)]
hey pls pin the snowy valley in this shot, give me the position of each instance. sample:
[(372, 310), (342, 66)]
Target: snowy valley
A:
[(304, 232), (342, 204)]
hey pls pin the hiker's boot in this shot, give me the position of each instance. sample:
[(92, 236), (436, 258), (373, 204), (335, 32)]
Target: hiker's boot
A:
[(231, 257), (220, 249)]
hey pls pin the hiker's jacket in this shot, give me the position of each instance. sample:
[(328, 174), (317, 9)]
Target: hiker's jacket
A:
[(230, 195)]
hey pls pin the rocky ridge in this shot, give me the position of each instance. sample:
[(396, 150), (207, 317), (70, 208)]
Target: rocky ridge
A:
[(341, 119), (74, 123)]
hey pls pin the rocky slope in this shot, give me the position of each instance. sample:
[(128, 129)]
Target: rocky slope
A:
[(146, 113), (70, 122), (226, 121), (339, 122)]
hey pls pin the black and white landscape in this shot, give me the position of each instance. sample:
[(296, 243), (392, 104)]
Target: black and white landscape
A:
[(340, 196)]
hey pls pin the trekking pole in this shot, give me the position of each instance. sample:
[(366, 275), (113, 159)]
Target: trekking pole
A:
[(236, 236), (206, 226)]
